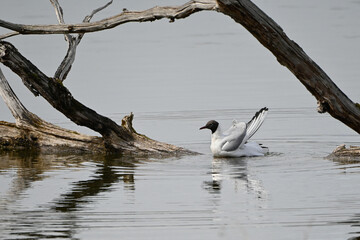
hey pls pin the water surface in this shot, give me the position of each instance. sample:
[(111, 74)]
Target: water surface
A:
[(292, 193)]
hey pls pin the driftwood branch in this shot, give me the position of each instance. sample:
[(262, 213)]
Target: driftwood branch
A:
[(91, 15), (21, 114), (56, 93), (345, 154), (65, 66), (116, 138), (289, 54), (152, 14), (8, 35), (31, 132), (88, 18)]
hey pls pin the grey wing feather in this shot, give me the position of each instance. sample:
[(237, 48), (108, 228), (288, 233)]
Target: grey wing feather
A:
[(235, 136), (240, 132)]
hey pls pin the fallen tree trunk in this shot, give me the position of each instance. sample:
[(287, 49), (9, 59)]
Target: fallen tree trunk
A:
[(47, 138), (115, 138), (32, 133)]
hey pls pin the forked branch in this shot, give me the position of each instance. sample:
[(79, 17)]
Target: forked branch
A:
[(149, 15), (73, 42)]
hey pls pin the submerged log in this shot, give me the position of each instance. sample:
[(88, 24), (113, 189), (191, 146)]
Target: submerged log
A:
[(341, 150), (47, 138), (346, 155)]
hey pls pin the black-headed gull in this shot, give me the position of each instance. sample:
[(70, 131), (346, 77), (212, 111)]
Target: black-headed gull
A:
[(234, 141)]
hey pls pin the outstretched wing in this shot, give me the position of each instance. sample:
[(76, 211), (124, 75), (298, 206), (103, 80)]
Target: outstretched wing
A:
[(234, 136), (254, 124), (238, 134)]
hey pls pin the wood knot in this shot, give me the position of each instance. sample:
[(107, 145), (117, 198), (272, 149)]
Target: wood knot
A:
[(3, 51), (322, 106), (339, 148), (70, 28), (357, 105)]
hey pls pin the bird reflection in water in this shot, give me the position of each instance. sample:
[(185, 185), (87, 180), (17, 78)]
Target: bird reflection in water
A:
[(237, 170)]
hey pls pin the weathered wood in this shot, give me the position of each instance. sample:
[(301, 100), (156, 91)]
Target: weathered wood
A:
[(289, 54), (17, 109), (116, 138), (32, 133), (66, 64), (352, 151), (8, 35), (20, 113), (345, 155), (47, 138), (152, 14), (57, 94)]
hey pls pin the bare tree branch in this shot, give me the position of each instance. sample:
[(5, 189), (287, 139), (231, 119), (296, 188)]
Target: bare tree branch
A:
[(32, 132), (149, 15), (65, 65), (20, 113), (73, 42), (115, 138), (10, 34), (56, 93), (89, 17), (289, 54), (59, 11), (60, 16)]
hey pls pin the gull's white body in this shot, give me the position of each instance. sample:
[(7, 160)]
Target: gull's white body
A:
[(249, 149), (234, 141)]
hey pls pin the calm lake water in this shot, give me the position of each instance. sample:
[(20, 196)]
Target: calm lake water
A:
[(175, 77)]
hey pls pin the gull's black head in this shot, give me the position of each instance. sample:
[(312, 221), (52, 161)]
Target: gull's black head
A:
[(212, 125)]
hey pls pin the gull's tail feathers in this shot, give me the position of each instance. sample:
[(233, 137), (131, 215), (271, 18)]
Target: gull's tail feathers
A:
[(255, 123)]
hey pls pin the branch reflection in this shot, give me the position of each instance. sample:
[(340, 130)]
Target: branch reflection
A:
[(104, 177), (58, 218)]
